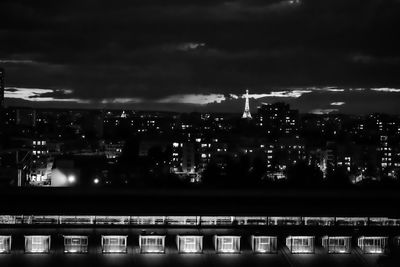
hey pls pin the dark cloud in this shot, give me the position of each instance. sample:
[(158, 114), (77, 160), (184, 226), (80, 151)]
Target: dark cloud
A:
[(155, 49)]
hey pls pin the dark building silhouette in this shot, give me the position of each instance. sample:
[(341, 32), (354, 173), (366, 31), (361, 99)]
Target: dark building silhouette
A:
[(2, 85), (1, 106)]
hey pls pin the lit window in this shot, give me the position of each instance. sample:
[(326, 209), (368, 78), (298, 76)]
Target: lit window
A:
[(190, 244), (337, 244), (37, 244), (227, 244), (75, 244), (300, 244), (5, 244), (152, 244), (114, 244), (264, 244), (373, 245)]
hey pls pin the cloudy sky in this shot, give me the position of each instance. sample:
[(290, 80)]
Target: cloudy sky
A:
[(318, 55)]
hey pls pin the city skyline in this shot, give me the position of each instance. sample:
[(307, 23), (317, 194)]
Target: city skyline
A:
[(200, 133), (335, 56)]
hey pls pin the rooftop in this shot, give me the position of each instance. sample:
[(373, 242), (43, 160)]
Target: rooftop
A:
[(118, 201)]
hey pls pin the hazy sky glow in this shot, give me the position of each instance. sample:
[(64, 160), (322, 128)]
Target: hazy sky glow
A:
[(331, 55)]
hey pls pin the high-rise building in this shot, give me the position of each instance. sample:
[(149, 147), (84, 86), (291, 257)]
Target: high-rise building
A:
[(278, 119)]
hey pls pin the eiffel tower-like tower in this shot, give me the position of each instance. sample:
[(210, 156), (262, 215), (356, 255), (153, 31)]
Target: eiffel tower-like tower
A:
[(246, 113)]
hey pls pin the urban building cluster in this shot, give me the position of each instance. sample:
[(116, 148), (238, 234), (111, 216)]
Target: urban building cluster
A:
[(59, 147), (51, 147)]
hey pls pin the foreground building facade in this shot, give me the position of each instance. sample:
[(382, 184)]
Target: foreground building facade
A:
[(195, 234), (142, 226)]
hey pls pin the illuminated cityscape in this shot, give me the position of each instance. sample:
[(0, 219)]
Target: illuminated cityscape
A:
[(200, 133), (61, 147)]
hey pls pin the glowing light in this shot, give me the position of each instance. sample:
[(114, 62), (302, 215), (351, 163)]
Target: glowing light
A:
[(5, 244), (75, 244), (300, 244), (227, 244), (337, 244), (71, 179), (96, 180), (373, 244), (152, 244), (37, 244), (175, 144), (114, 244), (190, 244), (264, 244)]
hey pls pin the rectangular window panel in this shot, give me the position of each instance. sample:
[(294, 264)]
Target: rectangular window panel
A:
[(37, 244), (351, 221), (264, 244), (5, 244), (216, 220), (76, 220), (190, 244), (7, 219), (284, 221), (147, 220), (300, 244), (152, 243), (337, 244), (227, 244), (114, 243), (251, 220), (319, 221), (43, 219), (182, 220), (75, 244), (372, 244), (383, 221), (112, 220)]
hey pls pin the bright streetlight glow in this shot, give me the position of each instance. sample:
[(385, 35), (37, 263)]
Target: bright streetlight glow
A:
[(71, 179)]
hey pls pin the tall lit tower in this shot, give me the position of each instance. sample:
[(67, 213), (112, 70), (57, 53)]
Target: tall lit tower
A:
[(246, 113)]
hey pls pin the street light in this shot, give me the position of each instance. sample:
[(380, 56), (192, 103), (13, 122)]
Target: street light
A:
[(96, 181), (71, 179)]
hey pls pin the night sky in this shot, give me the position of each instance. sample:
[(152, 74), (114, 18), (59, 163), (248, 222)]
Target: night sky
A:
[(320, 56)]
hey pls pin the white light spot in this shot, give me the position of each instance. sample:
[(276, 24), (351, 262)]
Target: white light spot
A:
[(71, 179)]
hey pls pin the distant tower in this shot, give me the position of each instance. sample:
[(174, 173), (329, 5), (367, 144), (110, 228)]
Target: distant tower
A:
[(246, 113)]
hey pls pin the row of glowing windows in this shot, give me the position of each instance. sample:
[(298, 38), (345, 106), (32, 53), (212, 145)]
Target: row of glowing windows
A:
[(38, 143), (194, 244), (198, 220), (40, 152)]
